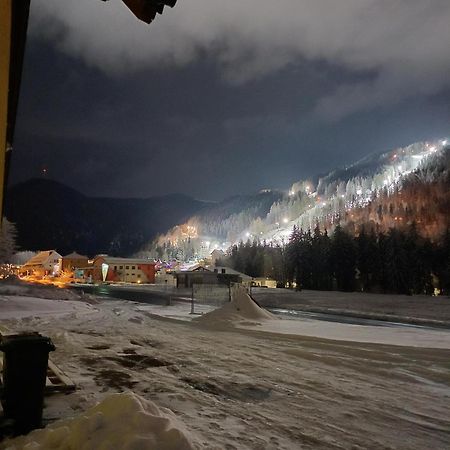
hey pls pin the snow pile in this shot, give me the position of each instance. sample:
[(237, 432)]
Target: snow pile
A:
[(121, 421), (241, 308)]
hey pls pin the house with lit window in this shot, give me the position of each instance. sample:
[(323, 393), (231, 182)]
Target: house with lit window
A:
[(47, 262), (123, 270)]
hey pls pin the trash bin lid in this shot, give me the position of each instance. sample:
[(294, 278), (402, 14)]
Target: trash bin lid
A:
[(26, 341)]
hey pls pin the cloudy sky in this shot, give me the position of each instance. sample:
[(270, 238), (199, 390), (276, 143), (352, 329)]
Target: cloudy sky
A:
[(217, 98)]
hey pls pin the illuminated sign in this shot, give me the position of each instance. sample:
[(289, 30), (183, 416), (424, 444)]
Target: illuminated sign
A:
[(104, 271)]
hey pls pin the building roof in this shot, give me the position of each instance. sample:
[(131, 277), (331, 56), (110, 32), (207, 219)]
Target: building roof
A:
[(74, 255), (230, 271), (195, 269), (113, 260), (215, 271), (40, 258)]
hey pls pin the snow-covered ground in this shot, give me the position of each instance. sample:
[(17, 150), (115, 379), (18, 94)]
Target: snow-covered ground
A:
[(235, 388), (19, 307)]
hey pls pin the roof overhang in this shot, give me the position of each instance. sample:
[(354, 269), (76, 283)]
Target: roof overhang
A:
[(13, 32), (146, 10)]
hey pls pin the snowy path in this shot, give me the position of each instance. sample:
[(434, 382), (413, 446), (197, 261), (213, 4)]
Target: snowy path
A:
[(410, 336), (247, 389)]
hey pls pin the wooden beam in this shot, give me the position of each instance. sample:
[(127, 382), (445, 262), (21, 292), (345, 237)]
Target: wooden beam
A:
[(5, 46)]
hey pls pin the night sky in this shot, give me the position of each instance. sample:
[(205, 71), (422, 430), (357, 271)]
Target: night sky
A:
[(217, 98)]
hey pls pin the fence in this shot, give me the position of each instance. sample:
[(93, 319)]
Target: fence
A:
[(211, 294), (214, 294)]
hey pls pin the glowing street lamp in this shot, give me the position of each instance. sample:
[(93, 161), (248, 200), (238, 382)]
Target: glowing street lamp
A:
[(285, 220)]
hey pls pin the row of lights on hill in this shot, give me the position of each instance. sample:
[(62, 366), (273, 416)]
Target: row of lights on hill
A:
[(291, 193)]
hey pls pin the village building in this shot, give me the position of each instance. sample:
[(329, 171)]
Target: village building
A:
[(73, 261), (216, 256), (47, 262), (165, 277), (215, 275), (264, 282), (123, 270)]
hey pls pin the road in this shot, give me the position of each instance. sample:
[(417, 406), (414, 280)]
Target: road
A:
[(160, 297), (154, 297), (340, 318)]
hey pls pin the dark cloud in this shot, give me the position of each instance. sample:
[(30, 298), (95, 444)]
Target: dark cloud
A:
[(403, 42), (218, 98)]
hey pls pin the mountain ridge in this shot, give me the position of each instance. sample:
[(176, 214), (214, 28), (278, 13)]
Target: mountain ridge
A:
[(49, 214), (343, 195)]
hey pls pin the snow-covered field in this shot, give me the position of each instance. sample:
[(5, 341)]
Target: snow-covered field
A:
[(403, 307), (234, 388)]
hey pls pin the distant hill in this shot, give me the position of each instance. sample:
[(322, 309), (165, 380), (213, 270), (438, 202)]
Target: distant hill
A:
[(380, 191), (384, 190), (50, 215)]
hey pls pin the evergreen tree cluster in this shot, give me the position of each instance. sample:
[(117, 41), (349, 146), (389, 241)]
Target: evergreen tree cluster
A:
[(398, 262)]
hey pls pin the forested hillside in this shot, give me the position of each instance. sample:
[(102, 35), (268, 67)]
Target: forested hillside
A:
[(381, 191)]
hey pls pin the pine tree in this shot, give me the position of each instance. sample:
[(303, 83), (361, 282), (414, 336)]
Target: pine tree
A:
[(365, 259), (397, 263), (343, 254), (441, 263)]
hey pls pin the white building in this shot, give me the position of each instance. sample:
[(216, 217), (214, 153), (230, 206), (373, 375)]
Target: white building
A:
[(44, 263)]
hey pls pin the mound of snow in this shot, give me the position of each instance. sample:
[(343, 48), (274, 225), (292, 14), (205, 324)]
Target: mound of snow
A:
[(241, 308), (120, 422)]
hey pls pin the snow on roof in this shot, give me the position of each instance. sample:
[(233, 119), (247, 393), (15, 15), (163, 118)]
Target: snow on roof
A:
[(230, 271), (114, 260), (41, 257), (218, 250), (74, 255)]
